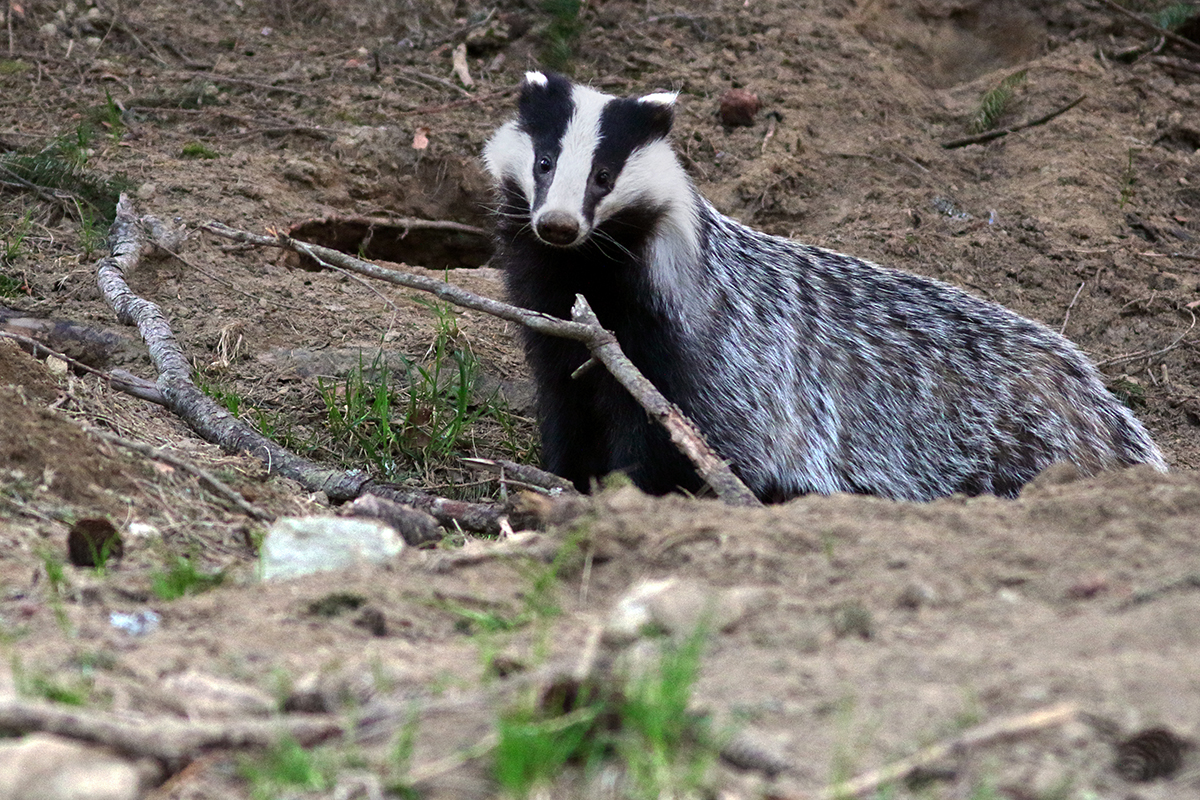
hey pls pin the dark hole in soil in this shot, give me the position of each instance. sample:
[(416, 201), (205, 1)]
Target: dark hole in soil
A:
[(433, 244)]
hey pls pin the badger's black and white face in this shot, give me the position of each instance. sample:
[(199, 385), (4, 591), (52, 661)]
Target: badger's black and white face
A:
[(578, 157)]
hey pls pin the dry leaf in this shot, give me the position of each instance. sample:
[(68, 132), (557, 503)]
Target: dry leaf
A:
[(421, 139)]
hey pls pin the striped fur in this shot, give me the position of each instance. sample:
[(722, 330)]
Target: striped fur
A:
[(809, 370)]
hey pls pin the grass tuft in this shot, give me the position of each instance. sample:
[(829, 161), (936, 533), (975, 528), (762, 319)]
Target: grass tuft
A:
[(198, 150), (181, 578), (282, 770), (645, 726), (425, 424), (995, 102), (562, 32), (60, 168)]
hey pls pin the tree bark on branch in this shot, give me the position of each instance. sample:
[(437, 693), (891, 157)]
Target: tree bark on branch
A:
[(583, 328), (133, 238)]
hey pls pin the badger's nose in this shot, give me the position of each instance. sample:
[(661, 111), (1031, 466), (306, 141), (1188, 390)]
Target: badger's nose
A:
[(558, 228)]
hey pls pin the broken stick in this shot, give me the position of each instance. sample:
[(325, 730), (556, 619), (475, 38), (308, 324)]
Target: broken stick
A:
[(166, 739), (996, 133), (602, 344)]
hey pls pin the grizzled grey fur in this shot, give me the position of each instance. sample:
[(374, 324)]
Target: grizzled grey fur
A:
[(809, 370)]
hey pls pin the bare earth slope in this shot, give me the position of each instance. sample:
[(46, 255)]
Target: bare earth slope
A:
[(864, 630)]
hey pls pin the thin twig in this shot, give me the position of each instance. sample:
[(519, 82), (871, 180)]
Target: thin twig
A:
[(1177, 64), (996, 133), (167, 739), (204, 476), (17, 181), (118, 379), (451, 85), (585, 329), (523, 473), (1150, 26), (988, 733), (1071, 305), (1151, 354), (436, 109), (210, 76)]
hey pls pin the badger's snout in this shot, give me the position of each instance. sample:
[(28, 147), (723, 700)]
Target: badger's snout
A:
[(557, 228)]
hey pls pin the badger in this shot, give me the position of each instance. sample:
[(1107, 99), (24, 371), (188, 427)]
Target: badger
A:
[(808, 370)]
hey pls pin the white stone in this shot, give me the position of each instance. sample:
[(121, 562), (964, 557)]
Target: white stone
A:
[(296, 546), (45, 767)]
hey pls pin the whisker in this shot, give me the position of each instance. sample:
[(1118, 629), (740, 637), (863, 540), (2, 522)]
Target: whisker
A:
[(599, 236)]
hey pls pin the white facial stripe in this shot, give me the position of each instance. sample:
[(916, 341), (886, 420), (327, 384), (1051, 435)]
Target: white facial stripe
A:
[(660, 98), (509, 154), (536, 78), (574, 166), (651, 176)]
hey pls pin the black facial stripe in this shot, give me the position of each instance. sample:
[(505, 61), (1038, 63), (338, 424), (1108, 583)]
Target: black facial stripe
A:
[(625, 125), (543, 112)]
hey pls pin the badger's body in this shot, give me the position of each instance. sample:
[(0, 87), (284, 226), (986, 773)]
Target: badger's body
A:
[(809, 370)]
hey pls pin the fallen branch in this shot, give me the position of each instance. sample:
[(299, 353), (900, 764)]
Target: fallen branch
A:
[(167, 739), (216, 424), (584, 329), (988, 733), (683, 432), (199, 411), (1150, 26), (996, 133), (118, 379), (524, 474), (204, 476)]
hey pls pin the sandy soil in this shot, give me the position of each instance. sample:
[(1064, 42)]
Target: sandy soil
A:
[(960, 611)]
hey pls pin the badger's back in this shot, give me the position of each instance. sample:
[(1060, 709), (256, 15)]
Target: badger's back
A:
[(811, 371), (890, 383)]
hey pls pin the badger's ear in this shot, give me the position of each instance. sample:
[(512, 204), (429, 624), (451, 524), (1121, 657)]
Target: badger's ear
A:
[(534, 79), (661, 108)]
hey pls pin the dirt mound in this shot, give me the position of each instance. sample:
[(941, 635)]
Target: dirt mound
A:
[(866, 630)]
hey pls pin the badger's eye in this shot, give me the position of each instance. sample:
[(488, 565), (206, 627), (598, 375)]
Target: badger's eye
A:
[(603, 178), (544, 164)]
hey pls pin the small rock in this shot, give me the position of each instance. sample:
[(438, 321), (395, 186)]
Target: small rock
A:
[(916, 595), (372, 620), (205, 696), (679, 607), (45, 767), (296, 546), (738, 107), (631, 614), (136, 623), (93, 543)]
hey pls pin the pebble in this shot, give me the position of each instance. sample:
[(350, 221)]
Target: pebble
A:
[(45, 767), (205, 696), (738, 107), (679, 607), (296, 546)]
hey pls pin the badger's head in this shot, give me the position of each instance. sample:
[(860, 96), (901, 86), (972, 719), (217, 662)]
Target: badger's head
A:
[(577, 158)]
